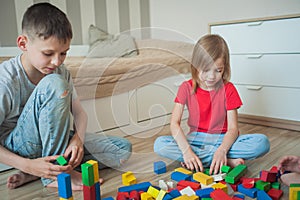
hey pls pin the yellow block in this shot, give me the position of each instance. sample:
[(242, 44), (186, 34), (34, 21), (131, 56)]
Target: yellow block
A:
[(146, 196), (293, 193), (128, 178), (183, 170), (203, 178), (96, 170), (194, 197), (220, 186), (71, 198), (161, 195), (183, 197), (153, 192)]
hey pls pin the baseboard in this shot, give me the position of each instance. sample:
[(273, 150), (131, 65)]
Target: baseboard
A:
[(273, 122)]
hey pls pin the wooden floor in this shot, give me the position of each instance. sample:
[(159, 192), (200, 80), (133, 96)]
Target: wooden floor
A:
[(283, 142)]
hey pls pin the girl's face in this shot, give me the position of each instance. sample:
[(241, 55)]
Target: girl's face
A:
[(211, 75)]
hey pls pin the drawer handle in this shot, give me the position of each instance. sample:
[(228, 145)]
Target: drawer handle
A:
[(255, 23), (254, 56), (254, 87)]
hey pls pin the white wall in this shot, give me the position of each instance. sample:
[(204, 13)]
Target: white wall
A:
[(190, 18)]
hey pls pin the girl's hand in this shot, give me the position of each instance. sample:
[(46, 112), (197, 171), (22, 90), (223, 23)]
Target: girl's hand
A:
[(75, 151), (44, 167), (289, 163), (191, 161), (219, 159)]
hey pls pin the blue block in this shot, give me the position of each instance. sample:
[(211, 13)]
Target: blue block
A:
[(204, 193), (262, 195), (160, 167), (239, 196), (252, 192), (167, 197), (97, 190), (175, 193), (108, 198), (178, 176), (138, 187), (64, 185)]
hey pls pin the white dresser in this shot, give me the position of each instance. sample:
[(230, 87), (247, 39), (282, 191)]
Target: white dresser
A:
[(265, 63)]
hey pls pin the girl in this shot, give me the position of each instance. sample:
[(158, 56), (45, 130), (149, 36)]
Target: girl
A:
[(212, 102)]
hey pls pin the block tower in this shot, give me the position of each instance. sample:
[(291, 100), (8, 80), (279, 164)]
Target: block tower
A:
[(64, 186), (90, 180)]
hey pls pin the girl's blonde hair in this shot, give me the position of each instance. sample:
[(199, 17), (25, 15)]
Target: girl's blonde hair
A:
[(206, 51)]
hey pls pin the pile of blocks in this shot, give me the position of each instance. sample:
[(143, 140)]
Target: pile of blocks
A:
[(230, 184)]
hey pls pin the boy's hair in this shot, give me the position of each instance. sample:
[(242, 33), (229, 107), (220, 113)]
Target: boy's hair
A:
[(44, 20), (206, 51)]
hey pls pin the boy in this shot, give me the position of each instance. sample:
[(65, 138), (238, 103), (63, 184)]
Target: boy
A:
[(36, 98)]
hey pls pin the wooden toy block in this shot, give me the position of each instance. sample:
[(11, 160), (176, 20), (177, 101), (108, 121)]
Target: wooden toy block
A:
[(134, 195), (262, 185), (61, 160), (219, 177), (193, 185), (204, 193), (108, 198), (275, 194), (162, 185), (89, 192), (219, 195), (122, 196), (178, 176), (275, 185), (262, 195), (160, 167), (71, 198), (206, 199), (293, 191), (167, 197), (236, 198), (268, 176), (225, 169), (138, 187), (96, 170), (193, 197), (240, 196), (97, 190), (206, 171), (174, 193), (183, 170), (161, 195), (146, 196), (248, 182), (188, 191), (274, 169), (252, 192), (87, 172), (153, 191), (183, 197), (235, 174), (64, 185), (220, 186), (128, 178), (203, 178)]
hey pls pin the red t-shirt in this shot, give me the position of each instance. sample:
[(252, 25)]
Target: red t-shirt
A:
[(208, 109)]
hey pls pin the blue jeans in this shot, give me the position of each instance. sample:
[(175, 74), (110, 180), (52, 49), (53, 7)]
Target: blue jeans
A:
[(248, 146), (43, 128)]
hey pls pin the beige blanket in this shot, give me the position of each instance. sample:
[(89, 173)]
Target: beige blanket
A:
[(101, 77)]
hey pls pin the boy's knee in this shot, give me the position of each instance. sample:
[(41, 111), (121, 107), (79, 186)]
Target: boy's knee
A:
[(263, 144), (159, 144), (57, 84)]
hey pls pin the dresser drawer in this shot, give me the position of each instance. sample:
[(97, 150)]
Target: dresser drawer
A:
[(281, 70), (269, 36), (282, 103)]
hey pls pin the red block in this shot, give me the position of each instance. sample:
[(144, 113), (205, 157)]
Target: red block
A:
[(89, 192), (274, 169), (134, 195), (248, 182), (184, 184), (122, 196), (275, 194), (268, 176), (219, 194)]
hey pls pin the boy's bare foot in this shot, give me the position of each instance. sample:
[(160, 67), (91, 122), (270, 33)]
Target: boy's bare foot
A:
[(76, 181), (16, 180), (289, 178), (235, 162)]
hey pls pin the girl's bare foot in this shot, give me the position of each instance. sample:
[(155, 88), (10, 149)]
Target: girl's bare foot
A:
[(289, 178), (16, 180), (235, 162), (76, 181)]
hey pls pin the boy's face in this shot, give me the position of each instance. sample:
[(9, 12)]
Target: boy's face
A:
[(45, 55)]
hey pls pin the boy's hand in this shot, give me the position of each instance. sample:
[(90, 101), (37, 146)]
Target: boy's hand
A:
[(75, 151), (219, 159), (289, 163), (44, 167)]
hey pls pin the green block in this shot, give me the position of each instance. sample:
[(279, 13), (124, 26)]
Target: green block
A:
[(262, 185), (87, 172), (206, 198), (295, 185), (206, 171), (61, 161), (275, 185), (235, 174), (225, 169)]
